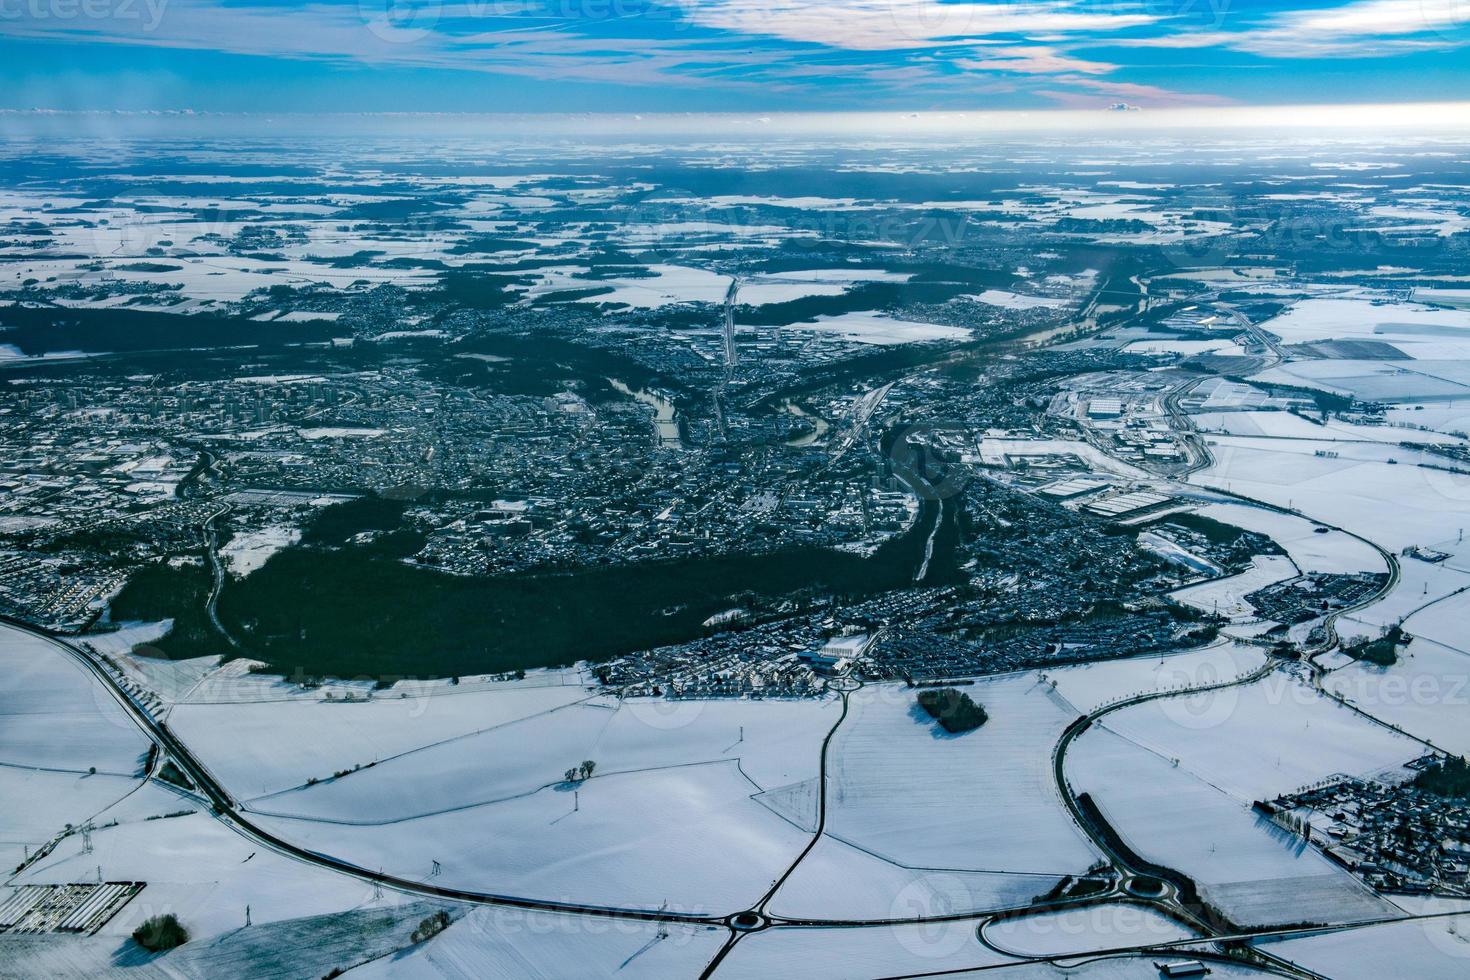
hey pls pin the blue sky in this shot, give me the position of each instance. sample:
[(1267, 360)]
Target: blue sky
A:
[(706, 55)]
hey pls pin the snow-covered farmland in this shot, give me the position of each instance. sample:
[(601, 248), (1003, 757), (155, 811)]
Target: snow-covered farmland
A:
[(1090, 686), (1255, 872), (511, 944), (244, 553), (839, 881), (1394, 505), (197, 868), (1227, 596), (1289, 425), (777, 745), (881, 951), (878, 329), (54, 715), (984, 801), (698, 803), (1311, 547), (255, 748), (1258, 741), (1361, 319), (1085, 930), (689, 836), (1427, 693), (1428, 949)]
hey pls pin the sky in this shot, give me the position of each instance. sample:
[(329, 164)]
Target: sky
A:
[(529, 56)]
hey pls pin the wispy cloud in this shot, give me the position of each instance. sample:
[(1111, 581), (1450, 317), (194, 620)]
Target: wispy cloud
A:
[(1366, 28), (885, 25), (1036, 50), (1036, 60)]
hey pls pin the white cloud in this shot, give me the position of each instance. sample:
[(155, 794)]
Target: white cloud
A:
[(888, 25), (1033, 61), (1365, 28)]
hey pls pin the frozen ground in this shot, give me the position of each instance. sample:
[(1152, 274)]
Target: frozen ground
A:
[(1289, 425), (779, 747), (902, 789), (1255, 872), (877, 328), (56, 726), (1303, 540), (1085, 930), (871, 951), (262, 747), (1429, 949), (689, 836), (244, 553), (198, 869), (1395, 505), (509, 944), (1227, 596), (1019, 301), (1362, 319), (1090, 686), (839, 881), (53, 715), (1427, 693), (1261, 740), (699, 803)]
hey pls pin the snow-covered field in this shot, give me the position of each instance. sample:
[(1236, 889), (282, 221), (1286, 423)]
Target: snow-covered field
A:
[(244, 553), (1310, 546), (510, 944), (701, 804), (868, 951), (255, 748), (690, 836), (1362, 319), (839, 881), (1431, 949), (1227, 596), (1394, 505), (1289, 425), (1261, 740), (1085, 930), (779, 748), (981, 801), (1090, 686), (1427, 693), (877, 328), (1019, 301), (53, 715), (196, 868), (1255, 872)]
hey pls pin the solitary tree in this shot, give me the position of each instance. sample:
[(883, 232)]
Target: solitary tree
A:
[(587, 767), (571, 775)]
